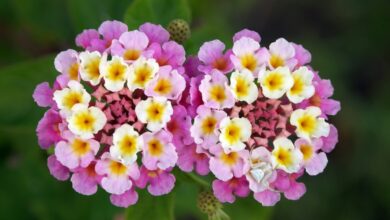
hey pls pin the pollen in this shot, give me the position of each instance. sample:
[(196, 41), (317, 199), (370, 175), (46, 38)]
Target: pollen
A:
[(232, 133), (163, 86), (208, 125), (283, 157), (249, 61), (71, 99), (155, 147), (230, 158), (142, 75), (80, 147), (276, 61), (84, 121), (155, 111), (307, 123), (117, 168), (217, 93), (116, 71), (128, 145), (274, 81), (131, 54)]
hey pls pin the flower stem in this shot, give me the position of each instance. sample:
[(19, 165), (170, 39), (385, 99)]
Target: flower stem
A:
[(202, 183)]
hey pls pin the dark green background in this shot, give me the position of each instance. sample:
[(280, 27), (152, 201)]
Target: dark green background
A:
[(349, 42)]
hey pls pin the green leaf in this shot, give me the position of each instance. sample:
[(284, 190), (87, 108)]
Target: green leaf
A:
[(156, 11), (90, 14), (17, 84), (152, 207)]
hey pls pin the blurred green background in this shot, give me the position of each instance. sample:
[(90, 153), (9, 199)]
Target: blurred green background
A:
[(349, 42)]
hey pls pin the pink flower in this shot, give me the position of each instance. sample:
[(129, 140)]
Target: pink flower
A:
[(190, 159), (56, 169), (287, 184), (48, 129), (131, 45), (191, 67), (158, 150), (282, 53), (226, 191), (246, 33), (67, 63), (43, 95), (179, 127), (302, 55), (126, 199), (91, 41), (85, 180), (160, 182), (167, 83), (321, 97), (228, 165), (215, 91), (331, 140), (206, 124), (247, 54), (267, 197), (155, 33), (75, 152), (169, 53), (212, 56), (117, 176), (195, 96), (313, 160)]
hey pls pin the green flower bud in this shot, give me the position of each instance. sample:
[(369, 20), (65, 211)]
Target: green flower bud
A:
[(179, 30), (210, 205)]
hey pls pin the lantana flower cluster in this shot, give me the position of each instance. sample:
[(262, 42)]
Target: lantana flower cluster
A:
[(130, 107), (260, 117), (114, 117)]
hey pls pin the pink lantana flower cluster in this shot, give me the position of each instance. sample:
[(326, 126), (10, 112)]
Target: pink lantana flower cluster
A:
[(115, 118), (260, 116)]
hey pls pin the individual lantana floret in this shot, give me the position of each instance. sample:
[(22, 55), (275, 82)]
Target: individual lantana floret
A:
[(126, 144), (67, 63), (212, 57), (131, 45), (70, 96), (309, 124), (115, 73), (302, 87), (215, 91), (285, 156), (156, 112), (282, 53), (141, 72), (275, 83), (89, 67), (243, 86), (313, 160), (167, 83), (234, 132)]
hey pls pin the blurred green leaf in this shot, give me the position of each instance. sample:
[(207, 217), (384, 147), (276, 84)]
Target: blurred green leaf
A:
[(152, 207), (90, 14), (156, 11), (17, 84)]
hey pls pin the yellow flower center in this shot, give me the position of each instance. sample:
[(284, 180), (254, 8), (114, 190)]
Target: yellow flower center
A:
[(307, 123), (128, 145), (298, 85), (117, 168), (249, 61), (163, 86), (84, 121), (92, 68), (155, 111), (276, 61), (230, 158), (274, 81), (155, 147), (232, 133), (241, 88), (116, 71), (208, 125), (80, 147), (142, 75), (71, 99), (217, 93), (73, 71), (131, 54), (307, 151), (283, 156)]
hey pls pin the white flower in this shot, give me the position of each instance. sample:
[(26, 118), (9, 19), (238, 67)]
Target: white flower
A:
[(86, 121), (243, 86), (156, 112), (285, 156), (303, 87), (126, 144), (89, 67), (114, 72), (276, 83), (141, 72), (261, 172), (308, 123), (70, 96), (233, 133)]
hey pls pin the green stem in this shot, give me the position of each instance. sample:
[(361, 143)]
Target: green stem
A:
[(202, 183)]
